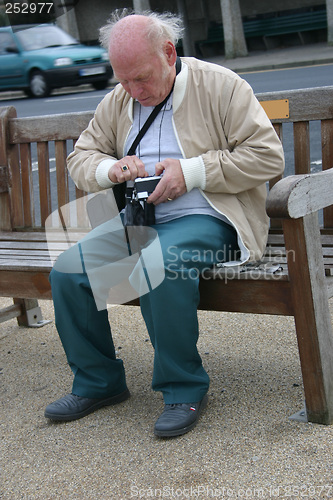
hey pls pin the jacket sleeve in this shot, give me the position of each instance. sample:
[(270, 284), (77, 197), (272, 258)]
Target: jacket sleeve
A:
[(96, 145), (251, 154)]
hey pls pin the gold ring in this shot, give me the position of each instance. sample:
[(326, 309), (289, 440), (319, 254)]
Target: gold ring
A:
[(124, 168), (169, 199)]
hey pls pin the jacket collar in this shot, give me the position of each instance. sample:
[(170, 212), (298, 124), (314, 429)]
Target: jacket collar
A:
[(180, 87)]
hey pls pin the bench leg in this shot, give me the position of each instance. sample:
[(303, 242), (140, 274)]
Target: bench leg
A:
[(312, 315), (30, 313)]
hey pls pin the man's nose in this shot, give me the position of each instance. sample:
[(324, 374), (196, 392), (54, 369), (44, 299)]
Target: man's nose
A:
[(135, 90)]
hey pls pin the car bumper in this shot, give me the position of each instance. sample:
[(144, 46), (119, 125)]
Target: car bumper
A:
[(63, 77)]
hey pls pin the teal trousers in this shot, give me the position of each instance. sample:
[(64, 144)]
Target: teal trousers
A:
[(190, 245)]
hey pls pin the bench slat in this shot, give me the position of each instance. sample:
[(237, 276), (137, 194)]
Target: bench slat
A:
[(27, 185), (16, 187), (44, 180), (309, 103), (60, 127), (327, 155), (25, 284), (62, 174), (302, 147)]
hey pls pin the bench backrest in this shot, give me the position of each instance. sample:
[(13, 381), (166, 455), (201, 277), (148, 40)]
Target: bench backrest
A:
[(30, 190)]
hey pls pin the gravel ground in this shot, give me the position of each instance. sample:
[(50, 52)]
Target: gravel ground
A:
[(244, 446)]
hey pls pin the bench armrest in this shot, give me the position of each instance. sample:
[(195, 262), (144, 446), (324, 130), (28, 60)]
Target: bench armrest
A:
[(298, 195)]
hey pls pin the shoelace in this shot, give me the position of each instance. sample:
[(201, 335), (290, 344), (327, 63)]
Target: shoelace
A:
[(175, 405)]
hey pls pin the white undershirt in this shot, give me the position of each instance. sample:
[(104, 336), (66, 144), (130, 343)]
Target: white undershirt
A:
[(159, 143)]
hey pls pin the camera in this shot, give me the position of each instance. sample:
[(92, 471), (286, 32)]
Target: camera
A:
[(144, 186), (137, 211)]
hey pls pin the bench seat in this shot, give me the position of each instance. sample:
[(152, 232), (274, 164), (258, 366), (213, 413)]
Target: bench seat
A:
[(26, 261), (294, 277)]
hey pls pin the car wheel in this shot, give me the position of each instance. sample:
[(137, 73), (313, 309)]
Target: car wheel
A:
[(38, 86), (101, 85)]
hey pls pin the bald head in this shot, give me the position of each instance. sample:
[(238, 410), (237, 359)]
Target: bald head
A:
[(143, 58), (157, 27), (130, 35)]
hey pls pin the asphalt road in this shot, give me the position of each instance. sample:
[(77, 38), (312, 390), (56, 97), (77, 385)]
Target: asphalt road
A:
[(85, 99)]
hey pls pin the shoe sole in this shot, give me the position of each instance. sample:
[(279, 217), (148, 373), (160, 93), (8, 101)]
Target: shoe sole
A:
[(184, 430), (119, 398)]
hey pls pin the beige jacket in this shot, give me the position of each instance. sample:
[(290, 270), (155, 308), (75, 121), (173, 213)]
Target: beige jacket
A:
[(229, 146)]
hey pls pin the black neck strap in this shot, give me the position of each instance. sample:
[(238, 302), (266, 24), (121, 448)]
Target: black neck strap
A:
[(153, 114)]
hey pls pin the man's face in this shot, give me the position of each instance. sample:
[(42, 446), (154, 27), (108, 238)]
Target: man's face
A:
[(147, 77)]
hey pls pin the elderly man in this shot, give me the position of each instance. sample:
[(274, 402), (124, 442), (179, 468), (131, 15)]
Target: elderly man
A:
[(214, 148)]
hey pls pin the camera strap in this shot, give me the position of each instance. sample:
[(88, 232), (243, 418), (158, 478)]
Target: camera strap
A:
[(121, 193), (152, 115)]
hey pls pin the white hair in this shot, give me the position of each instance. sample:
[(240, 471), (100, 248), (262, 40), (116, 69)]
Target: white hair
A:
[(163, 26)]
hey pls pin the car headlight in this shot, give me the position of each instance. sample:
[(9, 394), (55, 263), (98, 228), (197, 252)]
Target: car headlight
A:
[(105, 56), (63, 61)]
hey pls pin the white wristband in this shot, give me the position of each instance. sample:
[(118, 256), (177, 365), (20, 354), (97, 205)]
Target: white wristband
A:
[(194, 173), (102, 173)]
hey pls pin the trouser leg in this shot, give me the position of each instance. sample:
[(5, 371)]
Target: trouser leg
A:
[(86, 337), (189, 245), (83, 329)]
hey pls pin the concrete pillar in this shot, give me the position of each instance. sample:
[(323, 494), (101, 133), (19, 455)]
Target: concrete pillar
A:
[(141, 5), (188, 44), (234, 40), (66, 18)]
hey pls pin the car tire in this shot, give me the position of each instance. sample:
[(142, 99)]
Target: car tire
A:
[(101, 85), (38, 86)]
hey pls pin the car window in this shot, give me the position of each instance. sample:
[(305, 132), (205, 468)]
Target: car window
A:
[(44, 36), (6, 42)]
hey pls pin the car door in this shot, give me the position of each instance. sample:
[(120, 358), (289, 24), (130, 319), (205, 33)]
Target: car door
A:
[(11, 62)]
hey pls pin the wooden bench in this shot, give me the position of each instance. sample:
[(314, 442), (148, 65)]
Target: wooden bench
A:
[(272, 26), (293, 279)]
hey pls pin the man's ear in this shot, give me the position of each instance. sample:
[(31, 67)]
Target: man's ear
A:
[(170, 52)]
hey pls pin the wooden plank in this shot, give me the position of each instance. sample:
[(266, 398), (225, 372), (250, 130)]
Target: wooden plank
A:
[(4, 184), (299, 195), (25, 284), (302, 147), (5, 209), (22, 236), (10, 312), (258, 297), (37, 236), (27, 185), (44, 181), (62, 173), (81, 210), (329, 283), (41, 247), (312, 316), (16, 186), (304, 104), (24, 253), (276, 223), (49, 127), (13, 264), (327, 160)]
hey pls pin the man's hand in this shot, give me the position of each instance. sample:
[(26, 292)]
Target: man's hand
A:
[(172, 185), (127, 169)]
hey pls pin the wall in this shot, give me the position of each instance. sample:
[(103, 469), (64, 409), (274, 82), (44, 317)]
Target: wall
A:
[(91, 15)]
